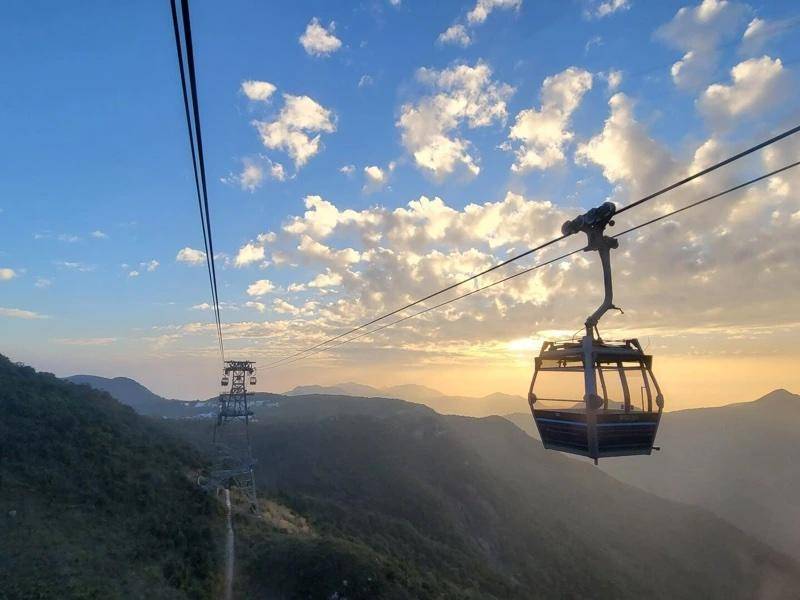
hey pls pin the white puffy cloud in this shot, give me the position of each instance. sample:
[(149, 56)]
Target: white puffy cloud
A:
[(191, 256), (260, 287), (756, 84), (99, 235), (258, 90), (327, 279), (624, 150), (133, 274), (613, 80), (348, 169), (7, 274), (464, 96), (760, 32), (483, 8), (259, 306), (455, 34), (376, 178), (605, 8), (319, 41), (698, 31), (251, 176), (43, 283), (276, 171), (150, 265), (300, 118), (542, 134), (311, 248), (248, 254)]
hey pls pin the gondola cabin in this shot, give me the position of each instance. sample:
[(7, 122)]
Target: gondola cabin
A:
[(593, 397), (619, 418)]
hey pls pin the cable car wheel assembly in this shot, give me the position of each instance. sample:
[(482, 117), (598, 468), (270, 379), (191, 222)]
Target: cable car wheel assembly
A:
[(595, 426)]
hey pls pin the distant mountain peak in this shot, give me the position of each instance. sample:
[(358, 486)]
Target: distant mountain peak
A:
[(780, 395)]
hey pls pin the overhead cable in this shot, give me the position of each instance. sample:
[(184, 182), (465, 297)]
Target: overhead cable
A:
[(198, 160)]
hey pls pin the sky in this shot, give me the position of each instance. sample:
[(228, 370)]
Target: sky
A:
[(363, 154)]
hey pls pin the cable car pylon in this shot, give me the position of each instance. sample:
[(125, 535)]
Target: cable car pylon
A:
[(608, 423), (234, 464)]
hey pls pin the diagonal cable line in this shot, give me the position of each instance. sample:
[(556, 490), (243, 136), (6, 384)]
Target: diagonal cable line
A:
[(290, 360), (499, 265), (198, 159), (179, 48)]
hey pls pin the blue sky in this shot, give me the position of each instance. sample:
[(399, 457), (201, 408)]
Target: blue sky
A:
[(96, 177)]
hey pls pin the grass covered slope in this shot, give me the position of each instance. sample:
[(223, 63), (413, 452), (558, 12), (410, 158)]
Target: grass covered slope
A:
[(95, 501), (411, 504)]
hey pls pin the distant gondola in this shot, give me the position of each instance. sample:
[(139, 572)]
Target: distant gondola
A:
[(620, 418)]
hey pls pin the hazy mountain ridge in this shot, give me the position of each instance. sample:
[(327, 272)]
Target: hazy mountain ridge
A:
[(472, 406), (739, 461), (134, 394)]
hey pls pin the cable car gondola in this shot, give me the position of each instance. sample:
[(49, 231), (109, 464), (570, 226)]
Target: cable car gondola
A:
[(605, 422)]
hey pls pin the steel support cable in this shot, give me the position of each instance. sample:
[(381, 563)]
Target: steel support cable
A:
[(747, 183), (198, 158), (179, 48), (669, 188)]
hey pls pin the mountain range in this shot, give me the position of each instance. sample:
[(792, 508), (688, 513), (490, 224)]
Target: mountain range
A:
[(399, 501), (469, 406)]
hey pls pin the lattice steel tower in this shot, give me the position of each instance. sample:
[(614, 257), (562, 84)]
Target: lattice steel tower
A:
[(234, 463)]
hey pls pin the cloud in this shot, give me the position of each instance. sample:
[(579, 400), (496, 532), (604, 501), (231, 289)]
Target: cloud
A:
[(624, 150), (98, 341), (248, 254), (319, 41), (251, 176), (756, 84), (99, 235), (311, 248), (260, 287), (483, 8), (74, 266), (348, 170), (760, 32), (542, 134), (375, 178), (698, 31), (43, 283), (598, 10), (455, 34), (365, 80), (465, 96), (17, 313), (258, 90), (7, 274), (191, 256), (327, 279), (150, 265), (299, 119), (133, 274), (259, 306), (613, 79)]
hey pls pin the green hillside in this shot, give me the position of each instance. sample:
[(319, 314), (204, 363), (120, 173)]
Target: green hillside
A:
[(95, 501)]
